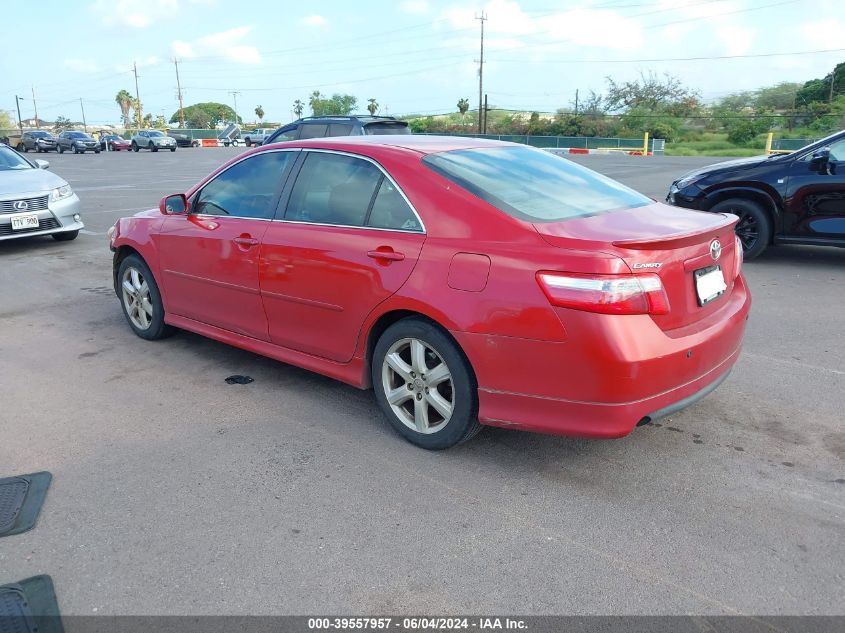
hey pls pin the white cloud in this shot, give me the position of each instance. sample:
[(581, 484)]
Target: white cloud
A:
[(227, 44), (415, 7), (314, 20), (81, 65), (139, 15), (823, 31)]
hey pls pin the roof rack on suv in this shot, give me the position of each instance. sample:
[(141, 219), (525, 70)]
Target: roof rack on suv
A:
[(349, 117)]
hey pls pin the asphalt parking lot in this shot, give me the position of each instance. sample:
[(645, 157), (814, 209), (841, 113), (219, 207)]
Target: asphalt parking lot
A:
[(175, 493)]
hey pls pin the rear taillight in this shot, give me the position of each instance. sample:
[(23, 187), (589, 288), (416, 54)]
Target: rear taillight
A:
[(738, 257), (607, 294)]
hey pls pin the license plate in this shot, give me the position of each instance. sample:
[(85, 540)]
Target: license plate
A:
[(709, 284), (20, 222)]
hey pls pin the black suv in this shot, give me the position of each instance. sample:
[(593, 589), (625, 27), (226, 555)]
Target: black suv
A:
[(322, 126), (39, 140), (796, 198)]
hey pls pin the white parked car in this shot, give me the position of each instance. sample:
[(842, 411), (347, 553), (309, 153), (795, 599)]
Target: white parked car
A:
[(34, 201), (152, 140)]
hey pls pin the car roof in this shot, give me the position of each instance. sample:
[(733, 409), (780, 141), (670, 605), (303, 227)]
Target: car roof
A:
[(416, 143)]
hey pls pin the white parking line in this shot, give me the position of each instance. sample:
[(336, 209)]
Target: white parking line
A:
[(794, 363), (87, 232)]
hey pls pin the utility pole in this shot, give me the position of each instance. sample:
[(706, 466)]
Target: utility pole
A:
[(482, 18), (486, 110), (832, 81), (137, 94), (576, 102), (235, 94), (179, 94), (35, 105), (18, 104), (84, 124)]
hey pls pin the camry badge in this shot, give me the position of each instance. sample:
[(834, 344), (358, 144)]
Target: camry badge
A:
[(647, 265), (715, 250), (21, 205)]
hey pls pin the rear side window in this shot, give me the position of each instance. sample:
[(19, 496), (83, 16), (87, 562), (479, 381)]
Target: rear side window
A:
[(340, 129), (247, 189), (387, 128), (312, 131), (533, 185), (333, 189), (390, 211)]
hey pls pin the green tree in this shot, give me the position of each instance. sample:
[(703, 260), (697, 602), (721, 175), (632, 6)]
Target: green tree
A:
[(125, 101), (651, 92), (136, 112), (372, 106), (298, 108), (62, 124), (741, 131), (160, 122), (259, 112), (781, 96), (336, 104), (207, 114), (5, 121), (463, 106)]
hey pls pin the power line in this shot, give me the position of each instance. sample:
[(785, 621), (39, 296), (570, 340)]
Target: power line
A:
[(669, 59)]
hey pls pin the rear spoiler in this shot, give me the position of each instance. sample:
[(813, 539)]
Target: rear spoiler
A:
[(678, 240)]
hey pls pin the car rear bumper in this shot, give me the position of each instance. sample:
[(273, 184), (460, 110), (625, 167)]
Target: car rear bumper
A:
[(604, 387)]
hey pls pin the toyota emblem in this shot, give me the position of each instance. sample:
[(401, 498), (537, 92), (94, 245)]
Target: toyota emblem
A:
[(20, 205), (715, 250)]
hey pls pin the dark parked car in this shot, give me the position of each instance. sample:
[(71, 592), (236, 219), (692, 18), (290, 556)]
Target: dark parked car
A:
[(114, 143), (78, 142), (39, 140), (796, 198), (183, 140), (323, 126)]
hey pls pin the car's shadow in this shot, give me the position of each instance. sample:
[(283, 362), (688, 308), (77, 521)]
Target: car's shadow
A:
[(798, 254)]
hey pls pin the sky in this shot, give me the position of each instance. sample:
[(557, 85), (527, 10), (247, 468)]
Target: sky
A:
[(412, 56)]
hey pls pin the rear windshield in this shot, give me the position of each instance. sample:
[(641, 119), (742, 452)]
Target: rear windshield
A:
[(387, 128), (533, 185)]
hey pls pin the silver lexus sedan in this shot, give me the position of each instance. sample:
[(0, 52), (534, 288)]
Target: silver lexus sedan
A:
[(34, 201)]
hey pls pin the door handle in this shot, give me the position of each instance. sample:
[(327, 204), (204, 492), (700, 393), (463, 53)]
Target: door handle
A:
[(245, 240), (391, 255)]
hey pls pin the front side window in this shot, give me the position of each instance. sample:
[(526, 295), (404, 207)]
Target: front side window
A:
[(10, 160), (837, 151), (247, 189), (533, 185)]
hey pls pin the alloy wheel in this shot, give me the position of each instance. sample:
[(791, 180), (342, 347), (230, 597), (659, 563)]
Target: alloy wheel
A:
[(418, 385), (136, 298), (746, 229)]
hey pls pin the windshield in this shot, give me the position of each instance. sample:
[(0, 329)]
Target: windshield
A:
[(10, 160), (387, 128), (41, 134), (156, 134), (533, 185), (78, 135)]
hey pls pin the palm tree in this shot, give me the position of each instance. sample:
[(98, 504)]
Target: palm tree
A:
[(124, 100), (372, 106), (463, 106), (259, 112), (136, 107), (298, 108)]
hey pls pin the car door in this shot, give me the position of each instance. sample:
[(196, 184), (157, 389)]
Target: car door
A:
[(815, 198), (349, 239), (209, 257)]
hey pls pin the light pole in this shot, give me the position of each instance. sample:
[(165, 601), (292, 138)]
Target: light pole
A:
[(20, 122)]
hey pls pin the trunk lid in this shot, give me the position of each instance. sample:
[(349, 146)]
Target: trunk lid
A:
[(658, 239)]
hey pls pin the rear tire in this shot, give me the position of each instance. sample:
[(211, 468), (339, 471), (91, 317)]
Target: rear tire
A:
[(754, 228), (66, 236), (144, 298), (134, 146), (424, 385), (60, 149)]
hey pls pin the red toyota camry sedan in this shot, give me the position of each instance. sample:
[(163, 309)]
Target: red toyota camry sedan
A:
[(467, 282)]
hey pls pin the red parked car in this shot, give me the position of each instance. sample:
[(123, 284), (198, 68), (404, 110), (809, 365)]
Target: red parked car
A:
[(468, 282), (114, 143)]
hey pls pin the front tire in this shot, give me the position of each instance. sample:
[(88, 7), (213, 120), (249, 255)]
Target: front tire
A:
[(141, 299), (66, 236), (172, 149), (60, 149), (754, 228), (424, 385), (152, 148)]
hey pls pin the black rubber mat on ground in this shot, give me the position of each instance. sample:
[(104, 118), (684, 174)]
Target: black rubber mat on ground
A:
[(20, 501), (30, 606)]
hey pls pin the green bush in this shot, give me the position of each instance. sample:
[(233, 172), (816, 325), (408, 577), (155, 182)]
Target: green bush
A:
[(740, 132)]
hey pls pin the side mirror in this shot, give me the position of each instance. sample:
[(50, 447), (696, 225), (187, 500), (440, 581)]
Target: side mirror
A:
[(820, 159), (42, 164), (175, 204)]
